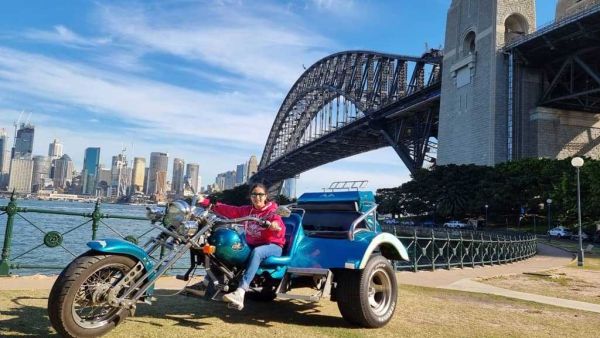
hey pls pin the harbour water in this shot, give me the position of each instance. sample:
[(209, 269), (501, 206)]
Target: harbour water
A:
[(29, 229)]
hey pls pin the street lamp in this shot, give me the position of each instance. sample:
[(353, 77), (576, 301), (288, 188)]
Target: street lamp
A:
[(549, 202), (433, 215), (486, 216), (577, 162)]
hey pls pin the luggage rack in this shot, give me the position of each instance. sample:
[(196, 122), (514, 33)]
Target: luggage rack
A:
[(347, 185)]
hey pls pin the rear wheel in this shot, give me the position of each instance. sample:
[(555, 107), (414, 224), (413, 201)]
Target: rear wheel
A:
[(77, 305), (368, 297)]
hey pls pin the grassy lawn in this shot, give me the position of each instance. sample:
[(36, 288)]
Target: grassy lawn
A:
[(420, 312)]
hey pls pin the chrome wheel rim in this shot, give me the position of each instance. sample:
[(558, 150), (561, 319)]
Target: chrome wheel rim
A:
[(90, 308), (380, 292)]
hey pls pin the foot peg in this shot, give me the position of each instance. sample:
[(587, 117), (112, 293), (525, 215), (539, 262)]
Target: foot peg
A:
[(183, 277)]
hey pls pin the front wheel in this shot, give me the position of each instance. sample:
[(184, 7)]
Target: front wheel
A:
[(77, 304), (368, 297)]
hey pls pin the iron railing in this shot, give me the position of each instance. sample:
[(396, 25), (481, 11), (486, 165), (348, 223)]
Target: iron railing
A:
[(52, 238), (432, 249)]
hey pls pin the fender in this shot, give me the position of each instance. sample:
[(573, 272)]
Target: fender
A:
[(390, 247), (120, 246)]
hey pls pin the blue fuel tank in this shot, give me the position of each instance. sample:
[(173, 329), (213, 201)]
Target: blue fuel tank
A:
[(231, 246)]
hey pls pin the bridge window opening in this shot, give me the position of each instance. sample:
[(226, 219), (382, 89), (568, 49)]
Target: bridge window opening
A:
[(514, 27), (468, 47)]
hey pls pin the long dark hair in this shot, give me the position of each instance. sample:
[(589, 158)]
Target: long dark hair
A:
[(262, 186)]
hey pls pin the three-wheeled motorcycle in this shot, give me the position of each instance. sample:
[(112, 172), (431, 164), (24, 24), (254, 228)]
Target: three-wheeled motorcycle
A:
[(334, 245)]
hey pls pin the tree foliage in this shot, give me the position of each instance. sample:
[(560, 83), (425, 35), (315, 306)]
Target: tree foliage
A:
[(510, 190)]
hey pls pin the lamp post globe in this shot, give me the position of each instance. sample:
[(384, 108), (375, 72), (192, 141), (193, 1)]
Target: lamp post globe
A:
[(577, 162)]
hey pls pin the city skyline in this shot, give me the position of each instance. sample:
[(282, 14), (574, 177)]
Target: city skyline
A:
[(201, 82)]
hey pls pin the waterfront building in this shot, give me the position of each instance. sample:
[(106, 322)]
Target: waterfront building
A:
[(24, 142), (192, 170), (104, 180), (55, 150), (41, 172), (63, 172), (220, 182), (120, 175), (252, 167), (21, 170), (4, 158), (157, 173), (146, 171), (177, 178), (230, 180), (240, 174), (89, 174), (138, 175)]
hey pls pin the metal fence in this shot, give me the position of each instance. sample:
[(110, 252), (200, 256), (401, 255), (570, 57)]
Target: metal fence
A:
[(435, 248), (428, 248), (51, 235)]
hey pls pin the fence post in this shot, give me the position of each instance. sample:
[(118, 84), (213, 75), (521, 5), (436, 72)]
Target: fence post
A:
[(96, 216), (415, 259), (11, 210), (432, 250)]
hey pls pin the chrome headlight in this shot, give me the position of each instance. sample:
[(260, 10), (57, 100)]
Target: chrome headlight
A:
[(177, 213)]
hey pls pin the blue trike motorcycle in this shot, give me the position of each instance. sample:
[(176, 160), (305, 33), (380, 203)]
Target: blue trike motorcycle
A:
[(333, 245)]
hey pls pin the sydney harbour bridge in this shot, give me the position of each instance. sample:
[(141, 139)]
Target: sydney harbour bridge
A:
[(357, 101)]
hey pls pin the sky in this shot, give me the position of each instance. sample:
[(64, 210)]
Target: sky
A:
[(200, 80)]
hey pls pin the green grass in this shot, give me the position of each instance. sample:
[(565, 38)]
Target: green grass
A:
[(421, 312)]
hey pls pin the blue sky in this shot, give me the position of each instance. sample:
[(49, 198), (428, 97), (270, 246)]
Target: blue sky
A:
[(201, 80)]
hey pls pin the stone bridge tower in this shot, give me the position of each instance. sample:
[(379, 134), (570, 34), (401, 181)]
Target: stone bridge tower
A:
[(476, 117)]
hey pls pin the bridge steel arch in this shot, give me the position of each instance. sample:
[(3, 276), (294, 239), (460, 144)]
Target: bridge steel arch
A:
[(394, 100)]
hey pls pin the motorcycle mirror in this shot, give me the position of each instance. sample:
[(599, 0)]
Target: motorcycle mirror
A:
[(283, 211)]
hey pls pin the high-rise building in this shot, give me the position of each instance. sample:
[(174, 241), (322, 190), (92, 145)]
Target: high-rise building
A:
[(220, 182), (146, 174), (103, 187), (138, 174), (24, 142), (252, 167), (230, 180), (41, 172), (192, 170), (177, 179), (89, 174), (120, 175), (55, 150), (4, 159), (21, 170), (159, 163), (63, 172), (240, 174)]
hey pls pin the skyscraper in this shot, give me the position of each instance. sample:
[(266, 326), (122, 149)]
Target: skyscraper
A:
[(55, 150), (4, 159), (138, 175), (120, 175), (240, 174), (159, 163), (252, 167), (20, 175), (192, 170), (24, 142), (63, 172), (230, 180), (177, 179), (41, 172), (89, 173)]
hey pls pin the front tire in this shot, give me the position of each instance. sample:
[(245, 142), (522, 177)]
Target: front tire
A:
[(76, 306), (368, 297)]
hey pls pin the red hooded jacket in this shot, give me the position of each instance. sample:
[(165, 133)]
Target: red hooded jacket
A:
[(255, 234)]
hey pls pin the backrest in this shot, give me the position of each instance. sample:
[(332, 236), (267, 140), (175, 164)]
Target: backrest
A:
[(291, 229), (318, 220)]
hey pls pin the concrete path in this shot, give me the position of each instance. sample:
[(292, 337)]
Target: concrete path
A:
[(548, 257)]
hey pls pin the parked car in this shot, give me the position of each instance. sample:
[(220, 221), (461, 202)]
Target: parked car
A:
[(584, 236), (455, 224), (560, 231)]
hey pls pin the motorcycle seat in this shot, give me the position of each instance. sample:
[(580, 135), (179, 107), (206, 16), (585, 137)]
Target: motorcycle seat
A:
[(291, 229)]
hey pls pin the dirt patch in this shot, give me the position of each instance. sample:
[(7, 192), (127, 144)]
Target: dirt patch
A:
[(567, 283)]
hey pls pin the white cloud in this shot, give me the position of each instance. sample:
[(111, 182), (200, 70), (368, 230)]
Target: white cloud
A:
[(258, 43), (64, 36)]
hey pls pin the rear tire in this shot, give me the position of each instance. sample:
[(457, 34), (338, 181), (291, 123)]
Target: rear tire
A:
[(368, 297), (79, 287)]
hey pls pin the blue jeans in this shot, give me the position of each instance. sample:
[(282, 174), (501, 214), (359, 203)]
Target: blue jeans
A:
[(257, 255)]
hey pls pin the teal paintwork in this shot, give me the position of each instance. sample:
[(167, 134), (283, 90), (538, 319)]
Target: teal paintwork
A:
[(123, 247), (231, 246), (120, 246)]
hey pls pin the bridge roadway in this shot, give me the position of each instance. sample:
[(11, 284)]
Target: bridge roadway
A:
[(362, 135)]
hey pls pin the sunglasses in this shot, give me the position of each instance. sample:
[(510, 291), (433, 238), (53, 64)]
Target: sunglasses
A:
[(258, 194)]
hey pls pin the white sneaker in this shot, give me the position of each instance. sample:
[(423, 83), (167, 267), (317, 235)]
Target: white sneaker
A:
[(236, 298)]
